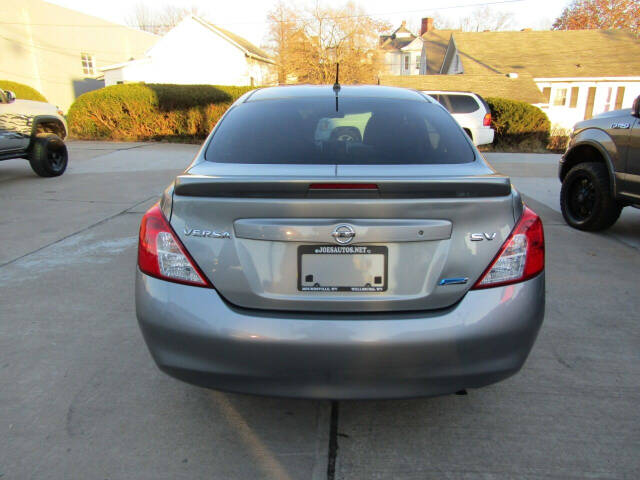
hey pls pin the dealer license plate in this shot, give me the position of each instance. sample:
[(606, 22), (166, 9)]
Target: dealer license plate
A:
[(342, 268)]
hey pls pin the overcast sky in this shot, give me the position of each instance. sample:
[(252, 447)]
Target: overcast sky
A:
[(248, 17)]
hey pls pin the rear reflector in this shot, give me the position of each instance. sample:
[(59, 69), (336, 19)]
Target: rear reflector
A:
[(487, 120), (343, 186), (162, 255), (521, 256)]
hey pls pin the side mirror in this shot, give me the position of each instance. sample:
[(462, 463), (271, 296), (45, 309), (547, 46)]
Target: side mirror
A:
[(635, 109), (11, 97)]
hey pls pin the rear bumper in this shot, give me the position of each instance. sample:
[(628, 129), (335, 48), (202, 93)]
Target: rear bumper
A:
[(483, 135), (197, 337)]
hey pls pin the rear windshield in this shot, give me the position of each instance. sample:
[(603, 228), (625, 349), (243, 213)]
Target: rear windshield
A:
[(361, 131)]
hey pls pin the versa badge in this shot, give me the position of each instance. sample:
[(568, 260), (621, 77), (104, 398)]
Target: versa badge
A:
[(196, 232)]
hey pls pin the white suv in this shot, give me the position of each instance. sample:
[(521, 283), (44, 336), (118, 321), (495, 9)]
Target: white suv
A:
[(470, 111)]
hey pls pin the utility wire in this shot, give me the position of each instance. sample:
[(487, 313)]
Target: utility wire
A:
[(338, 17), (36, 77), (61, 50)]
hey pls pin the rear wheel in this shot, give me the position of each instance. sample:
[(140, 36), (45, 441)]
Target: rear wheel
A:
[(586, 200), (48, 156)]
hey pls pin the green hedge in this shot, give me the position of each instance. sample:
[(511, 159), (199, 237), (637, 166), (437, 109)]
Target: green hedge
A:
[(518, 124), (24, 92), (139, 111)]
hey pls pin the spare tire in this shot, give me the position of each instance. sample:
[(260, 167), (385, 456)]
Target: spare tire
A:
[(48, 155)]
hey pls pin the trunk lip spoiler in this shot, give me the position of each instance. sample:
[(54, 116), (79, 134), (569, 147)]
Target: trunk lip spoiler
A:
[(491, 185)]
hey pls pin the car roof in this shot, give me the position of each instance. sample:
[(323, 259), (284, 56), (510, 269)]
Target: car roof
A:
[(346, 91)]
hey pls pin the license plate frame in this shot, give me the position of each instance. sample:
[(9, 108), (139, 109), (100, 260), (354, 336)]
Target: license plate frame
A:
[(347, 251)]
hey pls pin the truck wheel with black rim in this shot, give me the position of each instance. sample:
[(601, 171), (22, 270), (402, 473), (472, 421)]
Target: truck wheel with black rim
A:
[(586, 200), (48, 155)]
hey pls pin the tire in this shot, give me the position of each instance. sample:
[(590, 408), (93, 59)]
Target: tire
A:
[(48, 155), (586, 200)]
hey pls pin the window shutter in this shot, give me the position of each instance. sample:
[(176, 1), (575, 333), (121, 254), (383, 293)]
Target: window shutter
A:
[(588, 113), (619, 98), (574, 97), (546, 93)]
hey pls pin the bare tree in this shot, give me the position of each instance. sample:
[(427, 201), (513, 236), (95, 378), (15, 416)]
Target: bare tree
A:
[(284, 33), (171, 15), (159, 21), (142, 18), (487, 18), (481, 19), (309, 43), (442, 22)]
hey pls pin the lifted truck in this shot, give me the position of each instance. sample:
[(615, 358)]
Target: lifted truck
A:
[(35, 131), (600, 171)]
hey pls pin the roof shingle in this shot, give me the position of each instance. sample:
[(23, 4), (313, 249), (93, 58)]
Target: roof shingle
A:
[(554, 53), (244, 44), (522, 88), (438, 40)]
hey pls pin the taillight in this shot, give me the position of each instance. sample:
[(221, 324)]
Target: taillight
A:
[(520, 258), (486, 122), (162, 255)]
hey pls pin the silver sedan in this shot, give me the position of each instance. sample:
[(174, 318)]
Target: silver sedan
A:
[(340, 243)]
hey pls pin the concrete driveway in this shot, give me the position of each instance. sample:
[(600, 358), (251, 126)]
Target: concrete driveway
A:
[(81, 398)]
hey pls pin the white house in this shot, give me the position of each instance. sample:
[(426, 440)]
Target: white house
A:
[(197, 52), (58, 51), (402, 51), (580, 73), (572, 99)]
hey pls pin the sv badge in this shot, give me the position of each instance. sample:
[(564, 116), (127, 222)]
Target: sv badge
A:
[(478, 237)]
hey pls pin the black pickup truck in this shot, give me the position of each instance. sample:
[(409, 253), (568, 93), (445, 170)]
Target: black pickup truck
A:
[(600, 171)]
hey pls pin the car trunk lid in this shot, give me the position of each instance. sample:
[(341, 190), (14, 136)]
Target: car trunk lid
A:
[(269, 241)]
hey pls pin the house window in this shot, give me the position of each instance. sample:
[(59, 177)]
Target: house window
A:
[(458, 65), (88, 64), (560, 98), (575, 91), (406, 62), (546, 93), (418, 62)]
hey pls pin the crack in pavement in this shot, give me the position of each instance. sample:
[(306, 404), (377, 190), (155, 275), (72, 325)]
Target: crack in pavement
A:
[(333, 442), (82, 230), (107, 151), (107, 202)]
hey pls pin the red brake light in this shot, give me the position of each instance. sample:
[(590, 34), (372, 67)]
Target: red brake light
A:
[(520, 258), (162, 255), (486, 122)]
